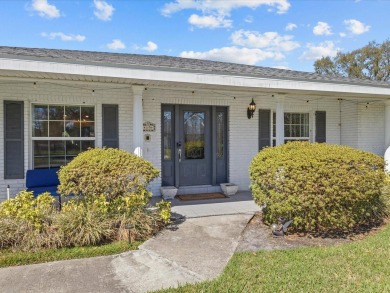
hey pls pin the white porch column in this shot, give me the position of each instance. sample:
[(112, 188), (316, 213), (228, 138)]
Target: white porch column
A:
[(279, 120), (387, 124), (138, 119), (387, 135)]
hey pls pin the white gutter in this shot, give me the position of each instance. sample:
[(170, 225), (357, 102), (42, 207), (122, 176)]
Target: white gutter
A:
[(279, 85)]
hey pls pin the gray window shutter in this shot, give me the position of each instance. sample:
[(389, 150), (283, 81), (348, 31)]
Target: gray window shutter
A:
[(320, 126), (110, 126), (13, 140), (264, 128)]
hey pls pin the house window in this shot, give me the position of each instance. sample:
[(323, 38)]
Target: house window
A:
[(167, 135), (296, 127), (61, 132)]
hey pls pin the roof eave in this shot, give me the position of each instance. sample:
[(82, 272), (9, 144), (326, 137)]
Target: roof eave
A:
[(186, 76)]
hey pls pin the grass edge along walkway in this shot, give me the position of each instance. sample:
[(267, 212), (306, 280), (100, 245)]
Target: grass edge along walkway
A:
[(360, 266), (15, 258)]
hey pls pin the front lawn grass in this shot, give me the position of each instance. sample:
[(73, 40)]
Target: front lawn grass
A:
[(361, 266), (10, 258)]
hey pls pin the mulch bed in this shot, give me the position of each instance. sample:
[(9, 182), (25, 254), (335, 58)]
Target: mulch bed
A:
[(258, 236)]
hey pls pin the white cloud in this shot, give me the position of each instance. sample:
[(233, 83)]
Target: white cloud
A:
[(63, 37), (324, 49), (248, 19), (280, 67), (343, 35), (103, 10), (45, 9), (233, 54), (222, 7), (209, 21), (116, 44), (356, 27), (290, 26), (150, 47), (322, 29), (269, 40), (215, 13)]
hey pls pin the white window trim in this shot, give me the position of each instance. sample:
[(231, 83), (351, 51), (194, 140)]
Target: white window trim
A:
[(311, 123), (45, 138)]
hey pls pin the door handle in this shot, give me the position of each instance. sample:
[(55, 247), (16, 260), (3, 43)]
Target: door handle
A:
[(178, 145)]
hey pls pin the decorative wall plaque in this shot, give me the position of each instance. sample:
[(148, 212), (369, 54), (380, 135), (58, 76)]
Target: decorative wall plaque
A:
[(149, 126)]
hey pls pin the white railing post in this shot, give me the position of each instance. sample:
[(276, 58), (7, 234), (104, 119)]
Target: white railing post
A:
[(138, 120), (279, 120), (387, 135)]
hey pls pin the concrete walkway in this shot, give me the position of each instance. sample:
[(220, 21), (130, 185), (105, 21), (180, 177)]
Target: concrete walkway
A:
[(240, 203), (194, 249)]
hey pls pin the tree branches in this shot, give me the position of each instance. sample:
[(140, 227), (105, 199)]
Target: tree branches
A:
[(369, 62)]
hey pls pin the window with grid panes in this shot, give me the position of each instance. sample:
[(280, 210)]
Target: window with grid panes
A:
[(60, 132), (296, 127)]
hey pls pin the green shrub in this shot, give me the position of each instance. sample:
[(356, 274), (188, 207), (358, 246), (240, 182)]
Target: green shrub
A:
[(164, 208), (25, 207), (83, 222), (109, 172), (119, 180), (133, 211), (321, 187), (144, 223), (112, 185), (23, 235), (25, 222)]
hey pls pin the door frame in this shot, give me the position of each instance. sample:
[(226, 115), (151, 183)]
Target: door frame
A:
[(174, 162)]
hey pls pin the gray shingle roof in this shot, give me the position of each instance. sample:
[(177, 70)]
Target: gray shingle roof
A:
[(176, 63)]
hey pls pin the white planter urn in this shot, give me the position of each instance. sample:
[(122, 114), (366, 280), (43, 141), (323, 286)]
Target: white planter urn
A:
[(229, 189), (168, 192)]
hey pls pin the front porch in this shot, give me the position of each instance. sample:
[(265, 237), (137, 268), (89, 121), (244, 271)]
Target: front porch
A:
[(241, 203), (189, 118)]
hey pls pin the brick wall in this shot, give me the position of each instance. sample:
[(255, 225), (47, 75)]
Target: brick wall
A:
[(243, 132), (62, 93), (360, 126), (349, 123), (371, 128)]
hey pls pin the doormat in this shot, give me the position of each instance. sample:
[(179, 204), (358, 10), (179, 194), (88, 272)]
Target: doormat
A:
[(200, 196)]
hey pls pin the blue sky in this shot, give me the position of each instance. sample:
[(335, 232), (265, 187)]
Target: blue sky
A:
[(288, 34)]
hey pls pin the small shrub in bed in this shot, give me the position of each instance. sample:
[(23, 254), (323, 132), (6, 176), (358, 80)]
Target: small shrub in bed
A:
[(321, 187), (109, 188), (132, 211), (83, 223), (120, 180), (26, 222), (109, 172)]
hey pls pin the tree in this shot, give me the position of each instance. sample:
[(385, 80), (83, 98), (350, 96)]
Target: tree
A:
[(369, 62)]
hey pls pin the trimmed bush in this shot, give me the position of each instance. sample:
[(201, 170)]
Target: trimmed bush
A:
[(110, 195), (321, 187), (25, 222), (109, 172), (83, 222), (132, 211)]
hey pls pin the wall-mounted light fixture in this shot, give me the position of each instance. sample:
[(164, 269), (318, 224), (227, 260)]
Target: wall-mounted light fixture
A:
[(251, 109)]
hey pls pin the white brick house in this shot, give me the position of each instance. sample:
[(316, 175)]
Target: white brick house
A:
[(55, 103)]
